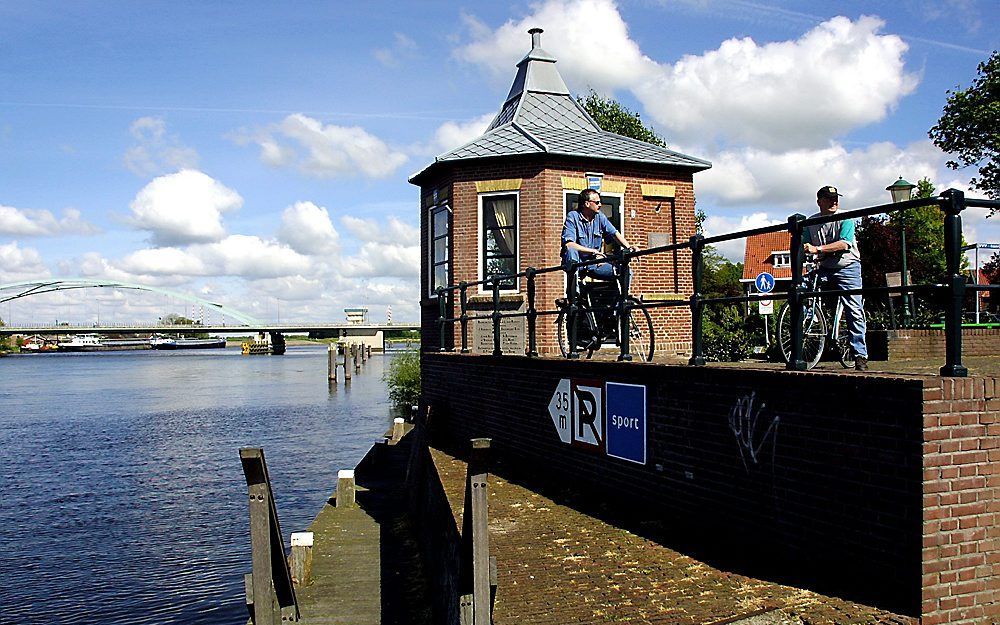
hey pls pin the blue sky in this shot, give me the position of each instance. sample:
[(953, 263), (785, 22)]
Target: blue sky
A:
[(257, 154)]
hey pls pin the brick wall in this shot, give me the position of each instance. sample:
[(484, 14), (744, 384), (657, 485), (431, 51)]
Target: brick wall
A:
[(931, 343), (540, 223), (817, 480), (961, 528)]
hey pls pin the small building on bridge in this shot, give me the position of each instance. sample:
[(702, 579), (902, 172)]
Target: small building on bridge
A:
[(496, 205)]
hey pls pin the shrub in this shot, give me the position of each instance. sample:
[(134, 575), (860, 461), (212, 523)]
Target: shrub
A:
[(725, 337), (403, 379)]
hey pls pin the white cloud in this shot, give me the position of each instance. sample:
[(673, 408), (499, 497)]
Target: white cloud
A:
[(839, 76), (583, 53), (183, 207), (451, 135), (718, 224), (403, 47), (17, 263), (308, 230), (23, 222), (381, 259), (394, 231), (156, 151), (236, 255), (790, 179), (324, 151)]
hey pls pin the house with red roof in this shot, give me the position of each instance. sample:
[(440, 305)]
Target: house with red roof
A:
[(767, 252)]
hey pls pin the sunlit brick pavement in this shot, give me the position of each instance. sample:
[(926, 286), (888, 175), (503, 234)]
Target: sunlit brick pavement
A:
[(557, 565)]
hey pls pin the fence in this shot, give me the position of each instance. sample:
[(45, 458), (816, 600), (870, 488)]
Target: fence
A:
[(952, 202)]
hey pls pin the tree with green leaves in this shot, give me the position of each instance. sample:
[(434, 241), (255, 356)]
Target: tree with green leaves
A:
[(969, 127), (615, 117)]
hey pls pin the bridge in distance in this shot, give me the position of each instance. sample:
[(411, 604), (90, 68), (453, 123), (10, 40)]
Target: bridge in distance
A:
[(285, 328)]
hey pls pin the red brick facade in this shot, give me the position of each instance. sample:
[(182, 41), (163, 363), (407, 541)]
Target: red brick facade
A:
[(961, 521), (540, 221)]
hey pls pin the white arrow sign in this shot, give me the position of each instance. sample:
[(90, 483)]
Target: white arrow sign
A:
[(560, 409)]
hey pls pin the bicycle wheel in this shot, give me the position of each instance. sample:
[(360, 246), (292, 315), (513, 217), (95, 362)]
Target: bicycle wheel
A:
[(813, 333), (641, 340), (562, 336), (843, 342)]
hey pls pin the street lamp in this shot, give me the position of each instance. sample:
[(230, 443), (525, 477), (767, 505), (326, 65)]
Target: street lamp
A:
[(901, 191)]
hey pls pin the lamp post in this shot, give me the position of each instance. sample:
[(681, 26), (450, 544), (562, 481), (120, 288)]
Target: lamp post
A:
[(901, 191)]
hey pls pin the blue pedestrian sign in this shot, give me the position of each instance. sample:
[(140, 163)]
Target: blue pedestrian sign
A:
[(764, 282), (625, 434)]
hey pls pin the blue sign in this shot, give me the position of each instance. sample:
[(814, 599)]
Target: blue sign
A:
[(625, 430), (764, 282)]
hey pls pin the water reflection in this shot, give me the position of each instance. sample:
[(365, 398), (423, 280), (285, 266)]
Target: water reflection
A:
[(124, 501)]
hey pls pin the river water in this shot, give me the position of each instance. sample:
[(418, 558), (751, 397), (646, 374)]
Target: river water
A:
[(122, 497)]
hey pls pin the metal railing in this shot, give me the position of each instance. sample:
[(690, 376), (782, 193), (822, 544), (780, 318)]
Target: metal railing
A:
[(951, 202)]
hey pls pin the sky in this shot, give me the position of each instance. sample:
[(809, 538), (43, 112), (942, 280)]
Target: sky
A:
[(256, 154)]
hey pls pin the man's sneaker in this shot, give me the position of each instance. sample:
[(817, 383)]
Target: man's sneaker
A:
[(861, 363)]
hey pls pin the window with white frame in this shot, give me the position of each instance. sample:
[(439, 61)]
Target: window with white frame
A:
[(781, 259), (498, 217)]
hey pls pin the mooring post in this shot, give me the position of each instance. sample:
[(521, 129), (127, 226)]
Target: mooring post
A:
[(331, 362), (347, 367), (271, 581), (346, 488), (475, 539), (364, 353), (397, 430), (302, 557), (357, 357)]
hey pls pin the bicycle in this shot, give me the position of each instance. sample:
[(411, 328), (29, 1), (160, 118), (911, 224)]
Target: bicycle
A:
[(597, 320), (815, 329)]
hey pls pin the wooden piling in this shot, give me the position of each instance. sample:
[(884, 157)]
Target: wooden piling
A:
[(357, 358), (331, 362), (345, 488), (476, 546), (347, 367), (302, 556)]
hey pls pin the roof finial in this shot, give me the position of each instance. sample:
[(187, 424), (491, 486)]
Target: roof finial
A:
[(536, 37)]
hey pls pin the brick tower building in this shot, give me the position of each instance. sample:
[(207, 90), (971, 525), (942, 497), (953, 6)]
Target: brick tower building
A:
[(496, 205)]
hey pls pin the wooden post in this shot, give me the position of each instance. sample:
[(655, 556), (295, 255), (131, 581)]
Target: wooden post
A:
[(331, 362), (475, 540), (302, 557), (273, 595), (345, 488), (364, 353), (357, 357), (347, 367), (397, 430)]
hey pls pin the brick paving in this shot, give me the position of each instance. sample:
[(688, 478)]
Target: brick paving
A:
[(558, 565)]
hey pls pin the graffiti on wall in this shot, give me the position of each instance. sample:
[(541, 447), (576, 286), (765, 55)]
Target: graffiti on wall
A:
[(752, 429)]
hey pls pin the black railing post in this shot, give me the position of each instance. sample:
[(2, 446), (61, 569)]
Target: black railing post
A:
[(572, 310), (496, 317), (953, 202), (532, 313), (624, 310), (797, 258), (697, 357), (463, 302), (442, 310)]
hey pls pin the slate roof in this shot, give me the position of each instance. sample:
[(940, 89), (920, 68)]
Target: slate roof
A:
[(540, 116), (757, 256)]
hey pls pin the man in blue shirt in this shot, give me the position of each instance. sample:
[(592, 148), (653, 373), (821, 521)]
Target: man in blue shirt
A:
[(840, 266), (584, 231)]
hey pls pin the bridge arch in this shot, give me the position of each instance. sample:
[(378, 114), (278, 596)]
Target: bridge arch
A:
[(26, 288)]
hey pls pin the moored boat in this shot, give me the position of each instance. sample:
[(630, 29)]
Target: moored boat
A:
[(96, 343), (165, 342)]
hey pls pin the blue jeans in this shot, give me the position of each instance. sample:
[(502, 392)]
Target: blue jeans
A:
[(601, 271), (845, 278)]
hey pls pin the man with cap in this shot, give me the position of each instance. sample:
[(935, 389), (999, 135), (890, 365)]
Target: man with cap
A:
[(839, 266)]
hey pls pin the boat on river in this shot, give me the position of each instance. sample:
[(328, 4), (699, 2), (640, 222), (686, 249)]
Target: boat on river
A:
[(166, 342), (97, 343)]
